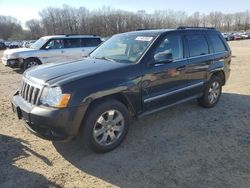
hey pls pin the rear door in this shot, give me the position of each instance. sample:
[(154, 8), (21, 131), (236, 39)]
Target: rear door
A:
[(73, 50), (89, 44), (200, 58)]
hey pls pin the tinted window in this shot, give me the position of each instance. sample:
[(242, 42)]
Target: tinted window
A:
[(72, 43), (217, 43), (90, 42), (171, 44), (197, 45)]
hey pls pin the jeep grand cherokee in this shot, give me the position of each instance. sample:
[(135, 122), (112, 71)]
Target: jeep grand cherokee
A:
[(130, 75)]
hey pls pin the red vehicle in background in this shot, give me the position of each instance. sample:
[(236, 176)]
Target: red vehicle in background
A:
[(237, 36)]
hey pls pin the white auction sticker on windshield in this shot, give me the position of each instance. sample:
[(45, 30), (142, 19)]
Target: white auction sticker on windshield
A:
[(141, 38)]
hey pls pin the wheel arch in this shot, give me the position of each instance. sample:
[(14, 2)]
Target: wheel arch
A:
[(121, 97), (220, 74), (35, 58)]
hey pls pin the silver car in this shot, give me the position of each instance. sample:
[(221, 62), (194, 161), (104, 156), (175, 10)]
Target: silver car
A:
[(51, 49)]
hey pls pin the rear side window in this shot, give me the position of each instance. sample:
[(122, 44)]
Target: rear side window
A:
[(218, 44), (197, 45), (72, 43), (90, 42)]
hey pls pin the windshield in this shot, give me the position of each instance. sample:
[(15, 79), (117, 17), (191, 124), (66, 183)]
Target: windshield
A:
[(39, 43), (123, 48)]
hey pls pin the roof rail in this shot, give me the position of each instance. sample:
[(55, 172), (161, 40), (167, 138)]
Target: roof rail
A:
[(67, 35), (184, 27), (142, 29)]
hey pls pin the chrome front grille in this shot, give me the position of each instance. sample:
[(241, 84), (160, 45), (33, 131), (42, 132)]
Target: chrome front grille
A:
[(29, 92)]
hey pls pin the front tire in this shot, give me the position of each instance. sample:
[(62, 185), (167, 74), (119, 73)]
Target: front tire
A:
[(212, 93), (105, 126), (31, 63)]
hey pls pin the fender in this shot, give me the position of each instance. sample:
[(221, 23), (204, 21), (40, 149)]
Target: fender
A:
[(123, 84), (216, 67), (130, 91)]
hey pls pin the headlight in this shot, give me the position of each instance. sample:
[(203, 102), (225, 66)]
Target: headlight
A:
[(54, 97), (13, 56)]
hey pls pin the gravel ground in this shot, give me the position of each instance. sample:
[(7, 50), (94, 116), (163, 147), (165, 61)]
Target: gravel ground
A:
[(184, 146)]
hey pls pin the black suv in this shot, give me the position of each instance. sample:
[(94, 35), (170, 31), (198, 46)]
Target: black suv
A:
[(130, 75)]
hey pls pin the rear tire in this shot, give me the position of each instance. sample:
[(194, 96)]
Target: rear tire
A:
[(105, 126), (212, 93)]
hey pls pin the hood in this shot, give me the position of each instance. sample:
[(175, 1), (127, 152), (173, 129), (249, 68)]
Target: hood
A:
[(16, 51), (56, 73)]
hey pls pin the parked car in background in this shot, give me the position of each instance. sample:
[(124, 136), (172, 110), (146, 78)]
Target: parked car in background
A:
[(230, 36), (245, 35), (2, 46), (237, 36), (226, 36), (128, 76), (28, 43), (15, 44), (51, 49), (7, 43)]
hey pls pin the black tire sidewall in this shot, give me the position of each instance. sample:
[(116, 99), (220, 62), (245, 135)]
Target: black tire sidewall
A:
[(26, 63), (204, 100), (90, 120)]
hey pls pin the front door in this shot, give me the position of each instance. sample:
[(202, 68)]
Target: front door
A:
[(164, 83), (54, 52)]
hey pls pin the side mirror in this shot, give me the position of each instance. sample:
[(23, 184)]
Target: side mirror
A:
[(47, 47), (163, 57)]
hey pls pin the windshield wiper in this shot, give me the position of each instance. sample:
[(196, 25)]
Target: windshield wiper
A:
[(104, 58)]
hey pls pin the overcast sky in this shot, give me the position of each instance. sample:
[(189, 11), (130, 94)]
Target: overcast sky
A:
[(24, 10)]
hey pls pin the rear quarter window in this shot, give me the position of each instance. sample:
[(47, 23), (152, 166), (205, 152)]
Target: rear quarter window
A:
[(197, 45), (217, 43), (90, 42)]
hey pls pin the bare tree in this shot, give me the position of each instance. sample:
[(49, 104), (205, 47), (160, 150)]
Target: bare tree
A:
[(10, 28), (35, 28), (107, 21)]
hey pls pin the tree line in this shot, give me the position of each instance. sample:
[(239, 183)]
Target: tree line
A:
[(108, 21)]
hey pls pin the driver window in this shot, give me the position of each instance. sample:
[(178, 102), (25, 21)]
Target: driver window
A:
[(55, 44), (171, 44)]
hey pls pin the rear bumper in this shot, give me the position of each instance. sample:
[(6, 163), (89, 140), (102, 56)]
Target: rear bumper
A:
[(227, 73), (13, 63), (49, 123)]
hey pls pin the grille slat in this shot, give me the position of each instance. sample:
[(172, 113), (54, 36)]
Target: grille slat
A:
[(29, 92), (34, 96), (23, 88), (26, 92)]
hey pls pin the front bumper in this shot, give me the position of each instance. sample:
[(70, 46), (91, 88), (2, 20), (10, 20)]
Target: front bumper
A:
[(49, 123), (13, 63)]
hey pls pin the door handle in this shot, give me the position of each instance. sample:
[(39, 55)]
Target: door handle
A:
[(181, 68)]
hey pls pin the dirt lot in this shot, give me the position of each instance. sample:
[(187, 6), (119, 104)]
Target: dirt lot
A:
[(184, 146)]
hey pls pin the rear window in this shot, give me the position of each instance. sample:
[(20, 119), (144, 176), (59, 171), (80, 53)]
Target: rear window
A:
[(90, 42), (197, 45), (217, 43)]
